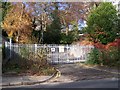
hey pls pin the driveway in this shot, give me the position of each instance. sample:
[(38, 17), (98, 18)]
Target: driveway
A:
[(76, 72)]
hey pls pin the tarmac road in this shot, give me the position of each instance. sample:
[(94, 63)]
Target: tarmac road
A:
[(106, 83)]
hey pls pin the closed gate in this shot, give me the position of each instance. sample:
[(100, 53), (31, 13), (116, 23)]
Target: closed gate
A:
[(68, 53), (55, 53)]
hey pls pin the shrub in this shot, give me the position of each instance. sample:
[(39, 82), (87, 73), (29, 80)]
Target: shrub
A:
[(94, 57), (30, 62), (108, 57), (112, 56)]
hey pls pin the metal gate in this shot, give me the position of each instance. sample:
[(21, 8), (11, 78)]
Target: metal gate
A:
[(67, 53), (55, 53)]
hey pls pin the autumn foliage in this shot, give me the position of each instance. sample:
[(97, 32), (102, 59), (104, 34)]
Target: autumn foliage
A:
[(17, 22), (115, 43)]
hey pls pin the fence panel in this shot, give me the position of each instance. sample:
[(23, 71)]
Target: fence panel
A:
[(55, 53)]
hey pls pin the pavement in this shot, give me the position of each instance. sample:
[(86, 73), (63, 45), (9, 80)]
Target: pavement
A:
[(26, 80), (65, 73), (23, 80)]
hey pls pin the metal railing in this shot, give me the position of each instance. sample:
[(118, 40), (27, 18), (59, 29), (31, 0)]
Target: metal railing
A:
[(55, 53)]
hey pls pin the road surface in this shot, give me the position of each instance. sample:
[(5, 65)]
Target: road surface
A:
[(106, 83)]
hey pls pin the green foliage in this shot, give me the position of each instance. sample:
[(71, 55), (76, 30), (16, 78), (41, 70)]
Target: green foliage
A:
[(94, 57), (102, 23), (66, 39), (12, 68), (5, 8), (118, 31), (53, 33), (75, 31), (52, 36), (112, 57), (72, 35), (109, 57)]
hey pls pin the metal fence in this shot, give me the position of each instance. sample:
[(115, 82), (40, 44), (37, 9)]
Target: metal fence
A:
[(55, 53)]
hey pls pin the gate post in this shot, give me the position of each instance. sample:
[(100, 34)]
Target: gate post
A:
[(67, 53), (35, 48)]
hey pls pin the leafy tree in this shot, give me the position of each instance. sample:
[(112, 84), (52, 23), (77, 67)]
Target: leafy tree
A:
[(52, 16), (118, 27), (102, 23), (72, 12), (66, 39), (53, 33), (72, 35), (17, 23), (40, 12)]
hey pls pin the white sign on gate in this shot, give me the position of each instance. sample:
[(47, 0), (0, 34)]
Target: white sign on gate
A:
[(52, 49), (61, 48)]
